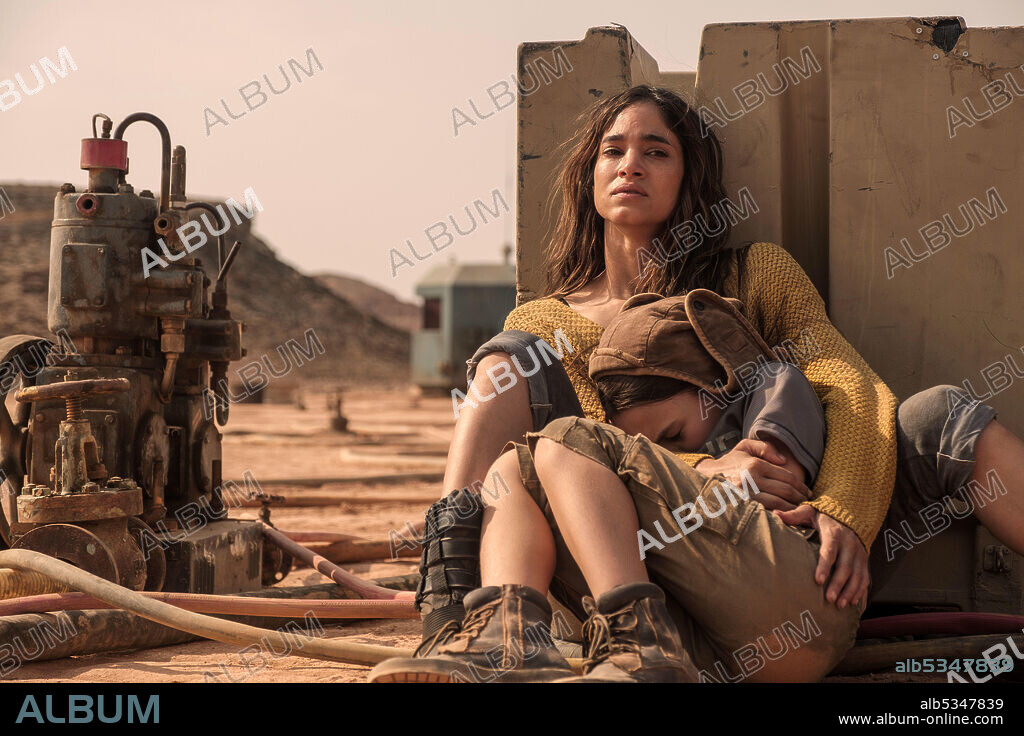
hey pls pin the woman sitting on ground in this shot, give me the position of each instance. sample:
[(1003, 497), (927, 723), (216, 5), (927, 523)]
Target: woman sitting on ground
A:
[(748, 593)]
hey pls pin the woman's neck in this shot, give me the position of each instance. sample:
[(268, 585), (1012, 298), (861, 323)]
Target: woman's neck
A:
[(601, 299), (621, 247)]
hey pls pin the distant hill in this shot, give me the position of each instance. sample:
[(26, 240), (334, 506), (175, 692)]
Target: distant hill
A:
[(276, 302), (381, 304)]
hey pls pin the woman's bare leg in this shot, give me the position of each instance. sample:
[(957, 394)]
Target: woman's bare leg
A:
[(482, 431), (597, 518), (516, 546), (595, 515), (1001, 450)]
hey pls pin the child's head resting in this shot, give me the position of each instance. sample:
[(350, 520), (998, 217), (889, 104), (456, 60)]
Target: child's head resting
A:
[(664, 364), (666, 410)]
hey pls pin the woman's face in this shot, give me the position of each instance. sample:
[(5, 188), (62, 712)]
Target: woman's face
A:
[(639, 169)]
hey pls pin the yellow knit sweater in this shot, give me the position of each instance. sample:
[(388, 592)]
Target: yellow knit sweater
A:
[(859, 467)]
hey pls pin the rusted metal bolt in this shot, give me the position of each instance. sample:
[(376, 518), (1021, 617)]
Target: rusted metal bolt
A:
[(109, 419), (74, 409), (90, 487), (146, 193), (67, 188)]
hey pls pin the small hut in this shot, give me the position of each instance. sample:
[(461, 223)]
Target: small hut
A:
[(464, 304)]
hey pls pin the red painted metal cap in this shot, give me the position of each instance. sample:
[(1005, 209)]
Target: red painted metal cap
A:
[(104, 153)]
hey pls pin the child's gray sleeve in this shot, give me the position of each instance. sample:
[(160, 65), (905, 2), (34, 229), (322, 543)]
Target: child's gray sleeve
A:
[(782, 406)]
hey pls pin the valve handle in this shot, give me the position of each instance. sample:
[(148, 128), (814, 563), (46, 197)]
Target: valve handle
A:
[(73, 389)]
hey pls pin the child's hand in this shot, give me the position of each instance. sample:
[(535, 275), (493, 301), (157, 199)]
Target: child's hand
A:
[(778, 486), (791, 463)]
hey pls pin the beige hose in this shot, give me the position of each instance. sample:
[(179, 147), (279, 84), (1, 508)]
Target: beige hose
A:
[(208, 627), (231, 605)]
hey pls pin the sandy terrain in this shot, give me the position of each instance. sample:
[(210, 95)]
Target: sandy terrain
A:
[(394, 433)]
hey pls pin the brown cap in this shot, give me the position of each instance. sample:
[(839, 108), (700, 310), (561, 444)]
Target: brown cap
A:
[(700, 338)]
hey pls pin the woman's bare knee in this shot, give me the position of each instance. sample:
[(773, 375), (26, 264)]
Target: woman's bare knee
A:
[(496, 376)]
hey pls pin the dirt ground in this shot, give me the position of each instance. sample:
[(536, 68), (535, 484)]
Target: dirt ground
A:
[(394, 434), (391, 434)]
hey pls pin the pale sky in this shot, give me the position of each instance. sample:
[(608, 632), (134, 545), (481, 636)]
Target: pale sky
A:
[(361, 156)]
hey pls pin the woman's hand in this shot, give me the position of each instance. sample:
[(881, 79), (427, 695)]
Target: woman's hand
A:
[(840, 548), (779, 480)]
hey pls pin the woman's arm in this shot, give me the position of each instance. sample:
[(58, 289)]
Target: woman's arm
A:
[(858, 469)]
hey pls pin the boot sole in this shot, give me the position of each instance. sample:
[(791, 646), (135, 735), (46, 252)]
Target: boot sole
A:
[(424, 670)]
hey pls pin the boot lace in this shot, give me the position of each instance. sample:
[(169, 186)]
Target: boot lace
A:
[(443, 635), (607, 634), (475, 621)]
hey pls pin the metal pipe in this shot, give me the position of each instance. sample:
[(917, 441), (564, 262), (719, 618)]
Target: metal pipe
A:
[(222, 274), (324, 566), (165, 151), (321, 537), (349, 551), (220, 226), (178, 174)]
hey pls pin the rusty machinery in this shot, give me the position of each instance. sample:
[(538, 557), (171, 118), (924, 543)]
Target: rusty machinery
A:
[(107, 436)]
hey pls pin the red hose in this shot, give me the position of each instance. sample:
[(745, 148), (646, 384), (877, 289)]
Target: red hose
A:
[(324, 566), (940, 624), (222, 604)]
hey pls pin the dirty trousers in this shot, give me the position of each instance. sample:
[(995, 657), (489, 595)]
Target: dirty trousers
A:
[(739, 584)]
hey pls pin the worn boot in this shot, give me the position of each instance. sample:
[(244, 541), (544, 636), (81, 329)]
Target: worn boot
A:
[(449, 565), (505, 637), (631, 638)]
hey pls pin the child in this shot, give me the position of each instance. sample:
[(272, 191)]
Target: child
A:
[(691, 374)]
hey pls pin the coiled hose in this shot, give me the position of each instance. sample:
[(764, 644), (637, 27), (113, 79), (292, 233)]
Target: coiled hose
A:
[(207, 627), (16, 583)]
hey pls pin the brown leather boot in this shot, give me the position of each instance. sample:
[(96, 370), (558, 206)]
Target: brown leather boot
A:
[(630, 637), (505, 637)]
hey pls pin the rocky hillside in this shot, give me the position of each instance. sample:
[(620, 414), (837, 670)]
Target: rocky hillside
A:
[(276, 302), (367, 298)]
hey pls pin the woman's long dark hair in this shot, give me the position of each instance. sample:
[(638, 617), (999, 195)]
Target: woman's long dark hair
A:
[(575, 256)]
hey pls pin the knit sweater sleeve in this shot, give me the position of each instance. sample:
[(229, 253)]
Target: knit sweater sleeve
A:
[(859, 466)]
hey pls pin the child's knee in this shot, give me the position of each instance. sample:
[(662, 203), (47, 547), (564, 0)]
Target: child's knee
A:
[(503, 475)]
